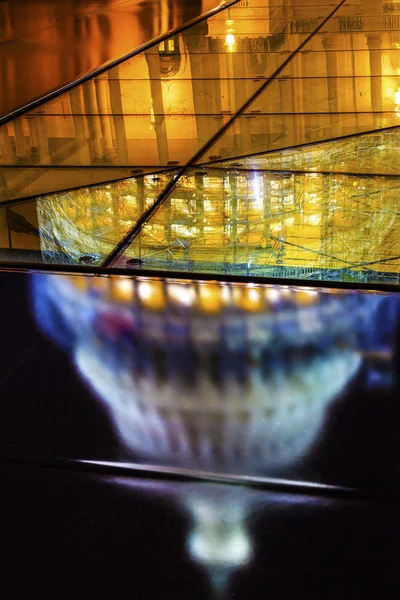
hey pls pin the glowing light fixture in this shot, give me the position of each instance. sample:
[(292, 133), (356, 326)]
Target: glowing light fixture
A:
[(230, 40), (397, 101)]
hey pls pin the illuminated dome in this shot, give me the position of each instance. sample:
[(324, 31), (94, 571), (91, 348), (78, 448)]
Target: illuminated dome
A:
[(213, 376)]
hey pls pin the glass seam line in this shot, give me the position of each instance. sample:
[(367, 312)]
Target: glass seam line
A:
[(134, 471), (306, 145), (212, 167), (214, 115), (90, 186), (165, 194), (114, 63), (95, 271)]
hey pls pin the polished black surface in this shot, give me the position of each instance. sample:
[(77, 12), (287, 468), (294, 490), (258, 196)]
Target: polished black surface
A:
[(77, 530), (69, 535), (70, 531)]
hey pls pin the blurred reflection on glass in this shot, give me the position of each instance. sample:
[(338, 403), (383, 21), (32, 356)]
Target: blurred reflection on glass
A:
[(225, 378), (55, 43), (220, 540)]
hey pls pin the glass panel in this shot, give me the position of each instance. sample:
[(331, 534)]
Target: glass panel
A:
[(373, 153), (52, 44), (19, 233), (142, 97), (338, 62), (149, 140), (353, 40), (270, 224), (328, 95), (79, 226), (23, 182), (212, 57), (257, 133), (161, 106), (351, 104)]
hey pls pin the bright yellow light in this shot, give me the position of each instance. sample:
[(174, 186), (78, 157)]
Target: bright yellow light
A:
[(230, 41), (123, 289), (183, 294), (397, 101)]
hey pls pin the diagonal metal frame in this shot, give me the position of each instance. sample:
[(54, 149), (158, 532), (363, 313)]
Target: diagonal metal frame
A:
[(97, 271), (168, 190), (306, 145), (115, 62)]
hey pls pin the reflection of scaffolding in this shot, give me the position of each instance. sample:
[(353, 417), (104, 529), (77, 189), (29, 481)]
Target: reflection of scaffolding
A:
[(85, 224), (251, 222), (236, 221)]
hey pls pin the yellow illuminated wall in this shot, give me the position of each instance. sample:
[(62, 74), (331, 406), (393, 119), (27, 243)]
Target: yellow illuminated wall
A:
[(285, 126)]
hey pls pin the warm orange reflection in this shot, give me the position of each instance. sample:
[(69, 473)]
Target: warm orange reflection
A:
[(329, 116), (50, 44), (160, 107)]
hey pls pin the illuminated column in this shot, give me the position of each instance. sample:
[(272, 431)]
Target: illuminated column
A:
[(331, 44), (212, 74), (42, 135), (78, 111), (114, 87), (89, 95), (5, 146), (375, 63), (164, 16), (32, 134), (20, 142), (287, 109), (299, 131), (241, 95), (153, 62), (39, 137), (102, 102), (205, 67), (198, 93)]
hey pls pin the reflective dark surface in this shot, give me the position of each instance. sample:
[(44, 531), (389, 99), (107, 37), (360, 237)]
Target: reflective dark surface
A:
[(44, 45), (74, 535), (231, 379), (184, 439)]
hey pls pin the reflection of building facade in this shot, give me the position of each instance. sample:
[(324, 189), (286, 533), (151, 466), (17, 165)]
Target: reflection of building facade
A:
[(162, 106), (165, 106)]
